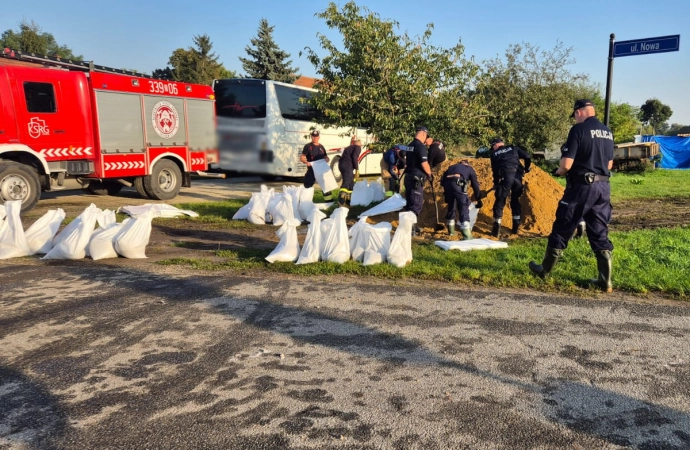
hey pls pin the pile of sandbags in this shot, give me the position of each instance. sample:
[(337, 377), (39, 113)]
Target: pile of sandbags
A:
[(267, 206)]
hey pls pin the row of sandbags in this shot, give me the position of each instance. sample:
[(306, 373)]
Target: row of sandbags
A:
[(330, 240), (78, 239), (267, 206), (365, 193)]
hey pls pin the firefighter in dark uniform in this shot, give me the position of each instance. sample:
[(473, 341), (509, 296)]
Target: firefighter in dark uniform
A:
[(314, 152), (417, 170), (586, 161), (349, 163), (507, 174), (456, 183)]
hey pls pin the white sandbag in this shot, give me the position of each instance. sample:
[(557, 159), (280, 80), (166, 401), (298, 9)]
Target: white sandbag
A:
[(337, 245), (323, 206), (357, 239), (311, 250), (378, 242), (395, 203), (287, 249), (474, 212), (324, 175), (257, 213), (102, 243), (306, 202), (378, 192), (133, 237), (40, 235), (472, 244), (294, 191), (326, 225), (3, 213), (106, 218), (157, 209), (280, 209), (71, 242), (13, 242), (243, 212), (361, 195), (400, 252)]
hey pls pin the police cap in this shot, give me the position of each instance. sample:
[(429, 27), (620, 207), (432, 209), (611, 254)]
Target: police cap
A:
[(422, 128), (580, 104), (495, 141)]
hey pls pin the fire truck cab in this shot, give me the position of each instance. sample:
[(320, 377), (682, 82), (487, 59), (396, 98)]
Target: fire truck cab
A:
[(76, 125)]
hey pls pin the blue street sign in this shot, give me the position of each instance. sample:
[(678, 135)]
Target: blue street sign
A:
[(646, 46)]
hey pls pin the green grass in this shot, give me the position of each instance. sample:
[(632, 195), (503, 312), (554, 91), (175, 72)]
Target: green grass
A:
[(644, 261)]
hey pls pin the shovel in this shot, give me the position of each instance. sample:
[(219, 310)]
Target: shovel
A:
[(439, 226)]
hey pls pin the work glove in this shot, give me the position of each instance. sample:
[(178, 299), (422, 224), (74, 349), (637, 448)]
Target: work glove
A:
[(479, 204), (356, 173), (553, 172), (528, 170), (431, 178)]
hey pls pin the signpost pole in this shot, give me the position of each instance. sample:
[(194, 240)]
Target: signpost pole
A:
[(609, 77)]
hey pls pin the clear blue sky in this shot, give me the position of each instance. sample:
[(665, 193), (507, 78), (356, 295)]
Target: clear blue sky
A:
[(142, 34)]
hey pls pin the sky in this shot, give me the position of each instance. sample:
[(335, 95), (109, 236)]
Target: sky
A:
[(142, 34)]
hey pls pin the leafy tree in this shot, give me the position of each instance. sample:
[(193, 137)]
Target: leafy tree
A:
[(31, 39), (623, 121), (655, 113), (266, 60), (678, 128), (390, 83), (197, 64), (529, 95)]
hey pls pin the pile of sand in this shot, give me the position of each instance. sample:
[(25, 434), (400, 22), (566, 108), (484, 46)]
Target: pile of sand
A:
[(539, 202)]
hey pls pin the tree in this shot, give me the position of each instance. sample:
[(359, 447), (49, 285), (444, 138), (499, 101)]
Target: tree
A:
[(655, 113), (197, 64), (30, 39), (389, 83), (267, 61), (678, 128), (529, 95)]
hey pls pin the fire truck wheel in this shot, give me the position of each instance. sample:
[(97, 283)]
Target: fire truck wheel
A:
[(19, 182), (165, 180), (336, 170), (139, 186), (105, 187)]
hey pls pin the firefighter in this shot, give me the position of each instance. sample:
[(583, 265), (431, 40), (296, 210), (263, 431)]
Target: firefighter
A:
[(507, 174), (456, 183), (314, 152), (349, 163), (417, 171), (586, 161)]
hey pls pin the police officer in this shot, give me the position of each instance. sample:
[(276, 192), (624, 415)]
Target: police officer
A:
[(586, 161), (392, 164), (348, 163), (507, 174), (311, 152), (437, 153), (417, 170), (456, 182)]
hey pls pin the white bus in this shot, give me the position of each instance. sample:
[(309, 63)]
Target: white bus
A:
[(263, 126)]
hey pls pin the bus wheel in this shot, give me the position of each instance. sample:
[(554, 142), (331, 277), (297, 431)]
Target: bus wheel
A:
[(336, 170), (139, 186), (165, 180), (105, 187), (19, 182)]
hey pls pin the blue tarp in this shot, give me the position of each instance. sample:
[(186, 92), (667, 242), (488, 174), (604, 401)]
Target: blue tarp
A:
[(675, 151)]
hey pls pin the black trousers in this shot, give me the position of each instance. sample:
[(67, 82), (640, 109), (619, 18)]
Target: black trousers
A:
[(414, 194), (348, 177), (511, 185)]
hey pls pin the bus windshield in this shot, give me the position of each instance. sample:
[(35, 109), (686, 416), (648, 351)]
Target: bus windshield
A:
[(238, 98)]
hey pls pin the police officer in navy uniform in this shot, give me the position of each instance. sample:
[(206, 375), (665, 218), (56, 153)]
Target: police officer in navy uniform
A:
[(349, 163), (586, 161), (417, 170), (507, 174), (456, 182), (437, 153), (314, 152)]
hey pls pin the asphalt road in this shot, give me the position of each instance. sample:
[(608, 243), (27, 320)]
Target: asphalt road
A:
[(148, 356), (129, 354)]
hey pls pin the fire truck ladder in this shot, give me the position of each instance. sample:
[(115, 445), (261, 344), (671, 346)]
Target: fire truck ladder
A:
[(56, 61)]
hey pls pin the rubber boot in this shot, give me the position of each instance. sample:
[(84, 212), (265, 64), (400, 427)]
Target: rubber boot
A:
[(516, 225), (342, 197), (451, 227), (327, 196), (550, 259), (496, 229), (580, 230), (604, 258)]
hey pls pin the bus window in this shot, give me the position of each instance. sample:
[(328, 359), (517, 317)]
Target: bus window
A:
[(244, 99), (293, 103)]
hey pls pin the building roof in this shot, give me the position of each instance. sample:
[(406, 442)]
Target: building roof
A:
[(305, 81)]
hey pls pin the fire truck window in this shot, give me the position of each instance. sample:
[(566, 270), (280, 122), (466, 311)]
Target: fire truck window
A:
[(40, 97)]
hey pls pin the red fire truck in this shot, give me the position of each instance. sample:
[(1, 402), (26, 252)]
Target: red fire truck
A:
[(71, 125)]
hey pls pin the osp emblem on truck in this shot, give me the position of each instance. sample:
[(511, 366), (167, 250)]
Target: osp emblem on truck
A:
[(165, 119)]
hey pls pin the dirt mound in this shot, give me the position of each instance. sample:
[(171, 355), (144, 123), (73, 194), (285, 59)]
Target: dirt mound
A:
[(539, 202)]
